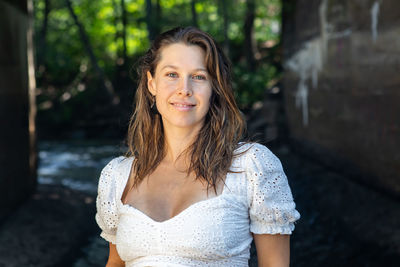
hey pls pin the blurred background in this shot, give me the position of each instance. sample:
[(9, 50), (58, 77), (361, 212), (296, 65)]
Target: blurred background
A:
[(318, 82)]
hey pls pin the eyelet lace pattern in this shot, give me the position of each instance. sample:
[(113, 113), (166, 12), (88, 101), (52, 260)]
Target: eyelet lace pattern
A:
[(213, 232)]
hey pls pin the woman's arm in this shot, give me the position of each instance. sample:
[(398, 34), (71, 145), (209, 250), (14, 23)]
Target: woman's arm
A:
[(113, 258), (272, 250)]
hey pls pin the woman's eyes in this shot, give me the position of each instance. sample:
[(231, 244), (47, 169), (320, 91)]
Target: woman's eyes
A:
[(199, 77), (172, 75), (196, 77)]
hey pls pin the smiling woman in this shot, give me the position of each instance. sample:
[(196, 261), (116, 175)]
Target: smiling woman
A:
[(189, 193)]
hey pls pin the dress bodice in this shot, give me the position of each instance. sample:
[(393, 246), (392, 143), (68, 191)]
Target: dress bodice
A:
[(214, 232)]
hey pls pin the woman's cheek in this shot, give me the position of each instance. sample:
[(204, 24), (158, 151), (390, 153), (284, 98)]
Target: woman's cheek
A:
[(171, 84)]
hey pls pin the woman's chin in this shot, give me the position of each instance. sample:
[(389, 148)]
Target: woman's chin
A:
[(184, 124)]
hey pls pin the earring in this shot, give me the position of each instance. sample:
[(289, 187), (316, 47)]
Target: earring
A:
[(153, 106)]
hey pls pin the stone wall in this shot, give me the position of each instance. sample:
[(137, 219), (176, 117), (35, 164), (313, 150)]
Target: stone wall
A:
[(17, 179), (342, 85)]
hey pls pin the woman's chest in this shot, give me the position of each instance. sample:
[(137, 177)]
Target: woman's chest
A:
[(166, 193), (212, 228)]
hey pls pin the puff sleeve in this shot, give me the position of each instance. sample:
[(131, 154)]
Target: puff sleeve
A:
[(271, 206), (106, 202)]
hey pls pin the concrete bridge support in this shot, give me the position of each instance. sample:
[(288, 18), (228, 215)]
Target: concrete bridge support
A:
[(17, 106), (341, 84)]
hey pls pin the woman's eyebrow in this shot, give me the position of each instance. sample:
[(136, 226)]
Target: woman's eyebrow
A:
[(175, 67), (201, 69), (169, 66)]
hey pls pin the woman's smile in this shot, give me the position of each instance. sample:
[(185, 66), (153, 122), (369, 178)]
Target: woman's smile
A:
[(183, 106)]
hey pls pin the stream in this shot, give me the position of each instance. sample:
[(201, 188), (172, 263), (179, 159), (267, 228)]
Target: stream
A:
[(76, 164)]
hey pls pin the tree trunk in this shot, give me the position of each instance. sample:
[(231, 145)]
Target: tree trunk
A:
[(149, 20), (153, 19), (224, 12), (33, 155), (194, 13), (115, 21), (248, 34), (124, 23), (120, 15), (107, 85), (157, 23), (41, 63)]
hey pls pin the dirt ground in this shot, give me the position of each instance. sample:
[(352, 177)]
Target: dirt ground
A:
[(48, 230), (342, 223)]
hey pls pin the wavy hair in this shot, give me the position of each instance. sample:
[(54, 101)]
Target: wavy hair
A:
[(212, 151)]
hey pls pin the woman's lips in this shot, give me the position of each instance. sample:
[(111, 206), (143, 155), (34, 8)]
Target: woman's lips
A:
[(183, 106)]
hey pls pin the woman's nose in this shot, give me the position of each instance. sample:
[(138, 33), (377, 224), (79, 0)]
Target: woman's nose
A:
[(185, 87)]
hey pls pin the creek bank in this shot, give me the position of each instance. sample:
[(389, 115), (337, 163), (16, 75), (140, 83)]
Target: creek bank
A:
[(48, 229)]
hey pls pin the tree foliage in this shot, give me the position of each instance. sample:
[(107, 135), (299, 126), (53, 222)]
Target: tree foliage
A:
[(118, 33)]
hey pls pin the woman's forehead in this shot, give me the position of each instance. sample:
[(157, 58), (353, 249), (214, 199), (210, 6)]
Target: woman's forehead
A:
[(180, 55)]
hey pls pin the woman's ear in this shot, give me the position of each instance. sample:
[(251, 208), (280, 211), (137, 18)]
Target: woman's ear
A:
[(151, 84)]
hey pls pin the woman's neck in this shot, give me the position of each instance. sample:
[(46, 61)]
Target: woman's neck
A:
[(177, 140)]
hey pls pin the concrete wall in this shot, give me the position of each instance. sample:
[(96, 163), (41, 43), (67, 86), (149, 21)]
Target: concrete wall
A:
[(17, 179), (342, 85)]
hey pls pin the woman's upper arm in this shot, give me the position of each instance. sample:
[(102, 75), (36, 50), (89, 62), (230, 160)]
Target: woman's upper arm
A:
[(113, 258), (271, 207), (269, 198), (272, 250), (107, 214)]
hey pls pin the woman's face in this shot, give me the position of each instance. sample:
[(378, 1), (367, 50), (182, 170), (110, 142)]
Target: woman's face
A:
[(182, 86)]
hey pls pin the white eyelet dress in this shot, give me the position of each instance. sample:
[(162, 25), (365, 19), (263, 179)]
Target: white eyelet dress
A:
[(212, 232)]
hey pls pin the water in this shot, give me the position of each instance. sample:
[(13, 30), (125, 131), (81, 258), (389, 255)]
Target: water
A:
[(75, 164)]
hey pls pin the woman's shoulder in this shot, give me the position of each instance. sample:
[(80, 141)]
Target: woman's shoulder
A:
[(118, 163), (114, 168), (253, 150), (118, 160), (255, 157)]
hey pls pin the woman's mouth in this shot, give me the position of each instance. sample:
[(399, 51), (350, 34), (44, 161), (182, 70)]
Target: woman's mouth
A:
[(183, 106)]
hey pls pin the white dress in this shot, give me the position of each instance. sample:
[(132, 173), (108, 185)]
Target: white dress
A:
[(212, 232)]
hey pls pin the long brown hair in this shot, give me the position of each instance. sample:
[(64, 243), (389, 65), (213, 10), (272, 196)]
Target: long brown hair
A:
[(212, 151)]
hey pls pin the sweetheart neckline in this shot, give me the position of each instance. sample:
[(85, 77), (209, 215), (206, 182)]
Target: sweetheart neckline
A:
[(177, 215), (180, 214)]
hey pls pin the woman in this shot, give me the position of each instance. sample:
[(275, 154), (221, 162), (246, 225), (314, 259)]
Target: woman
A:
[(188, 193)]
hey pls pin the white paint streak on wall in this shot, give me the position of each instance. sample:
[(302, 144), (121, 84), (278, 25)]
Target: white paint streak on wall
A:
[(308, 62), (374, 20), (302, 100)]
